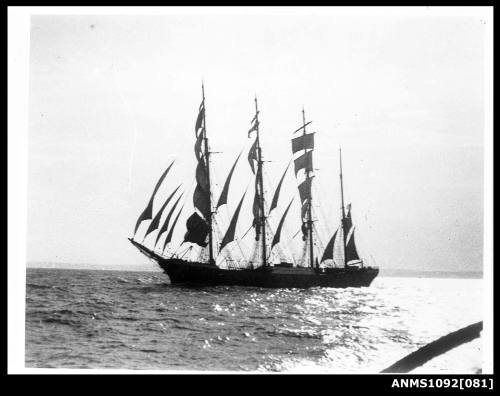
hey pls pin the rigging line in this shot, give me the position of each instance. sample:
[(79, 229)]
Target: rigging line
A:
[(186, 196), (187, 250), (246, 232)]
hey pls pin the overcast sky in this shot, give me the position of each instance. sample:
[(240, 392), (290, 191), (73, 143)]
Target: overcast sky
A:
[(113, 100)]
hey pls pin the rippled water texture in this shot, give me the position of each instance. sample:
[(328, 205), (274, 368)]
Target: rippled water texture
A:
[(134, 320)]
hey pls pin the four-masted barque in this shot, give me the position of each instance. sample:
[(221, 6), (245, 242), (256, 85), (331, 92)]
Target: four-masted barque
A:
[(339, 265)]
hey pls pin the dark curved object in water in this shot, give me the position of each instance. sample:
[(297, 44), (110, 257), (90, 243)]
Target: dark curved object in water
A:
[(436, 348)]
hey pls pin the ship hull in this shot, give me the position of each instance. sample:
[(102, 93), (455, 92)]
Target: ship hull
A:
[(180, 271), (195, 273)]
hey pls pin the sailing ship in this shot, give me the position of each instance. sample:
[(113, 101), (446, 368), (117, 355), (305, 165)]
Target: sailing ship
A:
[(201, 259)]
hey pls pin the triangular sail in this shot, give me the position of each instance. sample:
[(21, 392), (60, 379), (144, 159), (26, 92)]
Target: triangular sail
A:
[(156, 220), (351, 252), (223, 196), (171, 232), (328, 253), (347, 223), (229, 237), (277, 235), (148, 212), (164, 227), (274, 202)]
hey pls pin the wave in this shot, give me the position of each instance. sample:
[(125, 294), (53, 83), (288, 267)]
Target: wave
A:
[(37, 286)]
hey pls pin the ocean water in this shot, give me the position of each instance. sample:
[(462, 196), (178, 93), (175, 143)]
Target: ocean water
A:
[(137, 320)]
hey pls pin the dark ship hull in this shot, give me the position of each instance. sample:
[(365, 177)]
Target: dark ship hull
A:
[(203, 274)]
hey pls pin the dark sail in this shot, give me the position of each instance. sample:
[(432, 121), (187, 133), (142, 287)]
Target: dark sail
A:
[(201, 201), (304, 209), (197, 230), (328, 253), (197, 147), (350, 249), (171, 232), (256, 210), (303, 142), (252, 155), (347, 223), (277, 235), (164, 227), (156, 220), (255, 125), (305, 189), (229, 237), (200, 118), (274, 203), (304, 230), (201, 176), (225, 190), (148, 212), (304, 162)]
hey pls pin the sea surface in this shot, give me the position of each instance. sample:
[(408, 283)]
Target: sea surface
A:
[(137, 320)]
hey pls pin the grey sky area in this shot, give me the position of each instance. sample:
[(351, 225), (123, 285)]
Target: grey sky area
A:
[(113, 100)]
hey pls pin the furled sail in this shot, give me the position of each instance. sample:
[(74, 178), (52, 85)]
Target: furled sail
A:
[(148, 212), (156, 220), (277, 235), (303, 142), (274, 202), (304, 162), (164, 227), (328, 253), (229, 237), (223, 196), (197, 230), (171, 232)]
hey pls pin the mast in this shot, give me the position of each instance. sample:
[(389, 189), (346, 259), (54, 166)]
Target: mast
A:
[(261, 187), (309, 215), (207, 158), (343, 209)]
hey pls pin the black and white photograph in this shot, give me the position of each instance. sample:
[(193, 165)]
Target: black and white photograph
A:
[(292, 190)]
